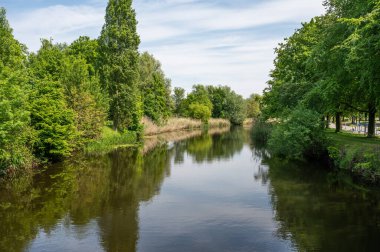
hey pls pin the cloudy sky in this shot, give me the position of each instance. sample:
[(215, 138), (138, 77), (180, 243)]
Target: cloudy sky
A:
[(217, 42)]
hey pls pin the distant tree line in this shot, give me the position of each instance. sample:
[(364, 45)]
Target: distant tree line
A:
[(330, 66), (204, 102)]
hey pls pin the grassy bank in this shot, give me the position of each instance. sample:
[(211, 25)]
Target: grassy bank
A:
[(357, 154), (178, 124), (110, 140)]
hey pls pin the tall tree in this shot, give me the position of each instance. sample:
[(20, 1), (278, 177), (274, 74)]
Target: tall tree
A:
[(178, 98), (15, 130), (118, 46), (155, 88)]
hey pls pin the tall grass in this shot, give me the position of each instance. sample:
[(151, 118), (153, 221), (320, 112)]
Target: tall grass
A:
[(110, 140), (178, 124), (261, 132)]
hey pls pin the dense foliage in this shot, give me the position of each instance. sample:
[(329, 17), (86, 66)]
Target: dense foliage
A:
[(300, 136), (119, 44), (218, 101), (330, 65)]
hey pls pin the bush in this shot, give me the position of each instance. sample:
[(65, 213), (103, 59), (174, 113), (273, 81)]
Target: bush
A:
[(15, 132), (300, 136), (360, 161), (200, 111), (52, 121), (261, 131)]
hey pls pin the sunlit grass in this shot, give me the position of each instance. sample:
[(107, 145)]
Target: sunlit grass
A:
[(110, 140)]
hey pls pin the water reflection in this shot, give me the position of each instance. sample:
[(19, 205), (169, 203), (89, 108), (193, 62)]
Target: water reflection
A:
[(320, 216), (209, 192), (105, 191)]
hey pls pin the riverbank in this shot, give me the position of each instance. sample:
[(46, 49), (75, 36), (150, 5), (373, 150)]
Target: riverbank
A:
[(111, 139), (353, 154), (178, 124), (356, 154)]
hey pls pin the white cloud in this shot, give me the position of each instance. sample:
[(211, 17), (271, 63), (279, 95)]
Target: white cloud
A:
[(62, 23), (196, 41)]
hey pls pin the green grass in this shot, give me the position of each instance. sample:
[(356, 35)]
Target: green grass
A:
[(110, 140), (356, 153), (352, 140)]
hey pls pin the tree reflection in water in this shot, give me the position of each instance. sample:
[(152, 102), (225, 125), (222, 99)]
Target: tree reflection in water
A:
[(106, 189)]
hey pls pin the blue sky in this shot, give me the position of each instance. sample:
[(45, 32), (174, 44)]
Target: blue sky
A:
[(216, 42)]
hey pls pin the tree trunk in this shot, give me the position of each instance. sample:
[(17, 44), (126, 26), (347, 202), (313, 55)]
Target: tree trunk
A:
[(327, 122), (371, 120), (338, 122)]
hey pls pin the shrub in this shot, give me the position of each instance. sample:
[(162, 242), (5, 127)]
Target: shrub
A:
[(52, 121), (299, 136), (261, 131), (200, 111)]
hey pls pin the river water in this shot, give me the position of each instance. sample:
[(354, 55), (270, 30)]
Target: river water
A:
[(201, 192)]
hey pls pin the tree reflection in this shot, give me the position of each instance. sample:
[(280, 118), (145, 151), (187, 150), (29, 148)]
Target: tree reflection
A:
[(315, 215), (108, 189)]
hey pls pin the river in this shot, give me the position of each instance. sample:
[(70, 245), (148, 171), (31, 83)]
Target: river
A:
[(201, 192)]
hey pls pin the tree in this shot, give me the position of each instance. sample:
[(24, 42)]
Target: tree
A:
[(155, 88), (227, 104), (178, 98), (16, 135), (364, 60), (118, 45), (85, 97), (12, 53), (47, 63), (254, 106), (87, 49), (52, 121), (200, 111), (292, 77)]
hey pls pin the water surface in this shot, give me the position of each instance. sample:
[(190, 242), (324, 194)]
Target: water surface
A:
[(210, 192)]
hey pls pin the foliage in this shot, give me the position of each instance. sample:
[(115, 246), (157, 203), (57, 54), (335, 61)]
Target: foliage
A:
[(84, 96), (110, 140), (300, 136), (356, 154), (200, 111), (155, 89), (254, 106), (118, 45), (52, 121), (178, 99), (227, 104), (12, 54), (88, 49), (15, 133), (261, 131)]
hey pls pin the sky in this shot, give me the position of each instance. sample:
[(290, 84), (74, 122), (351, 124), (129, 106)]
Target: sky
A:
[(211, 42)]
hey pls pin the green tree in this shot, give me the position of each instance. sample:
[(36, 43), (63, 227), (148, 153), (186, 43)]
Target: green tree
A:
[(364, 60), (227, 104), (52, 121), (47, 63), (155, 88), (178, 98), (200, 96), (200, 111), (16, 135), (87, 49), (254, 106), (292, 77), (118, 45), (84, 96), (299, 136), (12, 53)]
